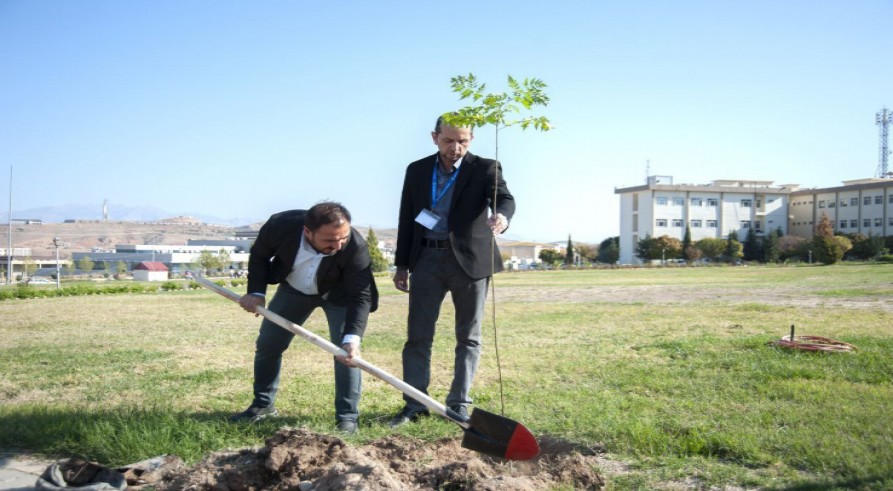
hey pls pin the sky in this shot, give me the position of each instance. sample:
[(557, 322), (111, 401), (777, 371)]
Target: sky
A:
[(242, 109)]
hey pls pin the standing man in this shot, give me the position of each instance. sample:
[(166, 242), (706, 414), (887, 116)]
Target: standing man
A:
[(444, 240), (319, 260)]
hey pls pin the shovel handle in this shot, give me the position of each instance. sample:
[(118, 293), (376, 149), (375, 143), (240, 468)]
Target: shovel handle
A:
[(335, 350)]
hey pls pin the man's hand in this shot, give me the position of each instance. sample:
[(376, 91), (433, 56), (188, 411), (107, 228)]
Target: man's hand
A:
[(251, 302), (401, 280), (353, 350), (498, 223)]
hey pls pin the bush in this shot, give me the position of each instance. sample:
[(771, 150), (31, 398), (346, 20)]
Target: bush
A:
[(886, 258)]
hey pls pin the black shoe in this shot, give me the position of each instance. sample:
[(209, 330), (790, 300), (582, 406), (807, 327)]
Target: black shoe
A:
[(407, 415), (348, 426), (254, 414), (460, 410)]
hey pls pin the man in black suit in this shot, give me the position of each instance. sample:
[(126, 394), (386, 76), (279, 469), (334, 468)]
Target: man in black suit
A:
[(445, 240), (319, 260)]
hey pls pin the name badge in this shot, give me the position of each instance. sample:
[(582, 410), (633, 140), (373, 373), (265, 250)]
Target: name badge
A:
[(427, 219)]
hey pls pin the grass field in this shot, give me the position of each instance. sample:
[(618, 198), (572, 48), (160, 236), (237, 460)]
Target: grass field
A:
[(669, 372)]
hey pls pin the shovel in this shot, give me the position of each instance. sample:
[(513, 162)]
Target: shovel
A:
[(485, 432)]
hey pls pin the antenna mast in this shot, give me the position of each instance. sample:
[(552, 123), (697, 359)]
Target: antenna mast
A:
[(883, 119)]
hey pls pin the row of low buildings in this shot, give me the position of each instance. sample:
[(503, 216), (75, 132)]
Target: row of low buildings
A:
[(661, 207)]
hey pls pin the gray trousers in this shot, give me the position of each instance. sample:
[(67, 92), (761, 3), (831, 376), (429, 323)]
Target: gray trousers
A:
[(274, 340), (435, 274)]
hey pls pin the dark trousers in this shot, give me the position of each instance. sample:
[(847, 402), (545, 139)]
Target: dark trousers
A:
[(435, 274), (274, 340)]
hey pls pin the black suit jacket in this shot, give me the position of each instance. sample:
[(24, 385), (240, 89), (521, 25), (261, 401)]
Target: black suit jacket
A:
[(472, 195), (344, 278)]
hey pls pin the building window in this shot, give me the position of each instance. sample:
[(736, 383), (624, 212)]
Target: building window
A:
[(759, 203), (831, 204), (866, 200), (866, 222), (758, 226), (678, 201), (854, 201), (878, 200), (661, 222), (878, 222), (843, 224), (891, 221), (712, 202), (746, 203), (843, 203), (745, 224), (711, 223), (661, 200), (695, 224), (890, 199), (677, 223), (854, 223), (821, 203), (635, 201), (697, 202)]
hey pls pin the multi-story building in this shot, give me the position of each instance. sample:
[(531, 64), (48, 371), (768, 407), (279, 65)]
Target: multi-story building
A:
[(862, 206), (714, 210)]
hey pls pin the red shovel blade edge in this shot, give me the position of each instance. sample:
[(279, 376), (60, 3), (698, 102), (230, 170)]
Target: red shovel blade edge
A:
[(499, 436)]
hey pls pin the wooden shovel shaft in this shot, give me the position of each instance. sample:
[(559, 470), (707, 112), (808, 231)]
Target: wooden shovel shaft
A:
[(335, 350)]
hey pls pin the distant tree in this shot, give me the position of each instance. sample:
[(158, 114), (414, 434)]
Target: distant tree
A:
[(826, 248), (692, 253), (379, 263), (107, 268), (644, 247), (589, 252), (609, 250), (663, 247), (70, 268), (569, 254), (85, 264), (29, 266), (711, 247), (209, 261), (793, 247), (121, 267), (734, 248), (771, 251), (752, 250), (866, 246), (550, 257), (686, 243)]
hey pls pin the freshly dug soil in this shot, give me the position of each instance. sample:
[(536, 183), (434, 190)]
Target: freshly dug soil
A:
[(298, 459)]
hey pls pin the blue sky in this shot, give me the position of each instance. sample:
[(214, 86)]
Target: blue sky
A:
[(243, 109)]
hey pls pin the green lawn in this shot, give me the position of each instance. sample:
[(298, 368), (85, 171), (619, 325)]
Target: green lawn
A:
[(669, 371)]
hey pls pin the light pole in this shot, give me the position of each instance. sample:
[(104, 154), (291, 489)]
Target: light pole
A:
[(56, 244), (663, 256)]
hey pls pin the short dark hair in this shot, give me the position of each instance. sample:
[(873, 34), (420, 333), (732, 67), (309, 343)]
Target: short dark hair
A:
[(324, 213), (439, 124)]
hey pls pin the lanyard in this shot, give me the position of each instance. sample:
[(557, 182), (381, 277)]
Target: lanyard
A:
[(435, 198)]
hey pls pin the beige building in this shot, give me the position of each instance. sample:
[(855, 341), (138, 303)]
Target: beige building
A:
[(862, 206)]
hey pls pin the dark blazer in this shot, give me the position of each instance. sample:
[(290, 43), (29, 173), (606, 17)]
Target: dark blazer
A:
[(344, 278), (470, 236)]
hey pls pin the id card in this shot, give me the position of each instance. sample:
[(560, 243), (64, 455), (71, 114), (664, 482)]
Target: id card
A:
[(427, 219)]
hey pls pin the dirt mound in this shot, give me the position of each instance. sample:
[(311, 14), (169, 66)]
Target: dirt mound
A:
[(294, 459)]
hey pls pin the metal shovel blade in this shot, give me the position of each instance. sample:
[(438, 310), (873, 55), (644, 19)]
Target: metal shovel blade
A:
[(499, 436)]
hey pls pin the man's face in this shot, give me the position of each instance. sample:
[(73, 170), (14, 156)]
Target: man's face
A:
[(330, 238), (452, 142)]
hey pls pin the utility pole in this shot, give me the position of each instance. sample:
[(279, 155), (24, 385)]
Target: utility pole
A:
[(57, 243), (9, 250), (883, 119)]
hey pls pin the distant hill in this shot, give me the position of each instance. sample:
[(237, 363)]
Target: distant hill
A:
[(59, 214)]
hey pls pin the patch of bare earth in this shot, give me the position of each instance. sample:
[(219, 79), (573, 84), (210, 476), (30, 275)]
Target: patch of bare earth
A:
[(298, 459)]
